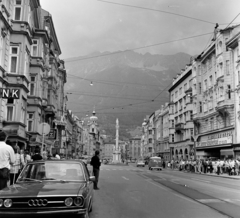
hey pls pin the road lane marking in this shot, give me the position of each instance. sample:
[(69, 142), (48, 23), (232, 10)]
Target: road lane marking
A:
[(200, 180), (205, 201), (125, 178)]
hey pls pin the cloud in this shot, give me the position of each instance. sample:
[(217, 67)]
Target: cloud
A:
[(87, 26)]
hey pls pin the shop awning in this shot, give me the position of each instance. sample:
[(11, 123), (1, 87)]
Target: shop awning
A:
[(214, 146)]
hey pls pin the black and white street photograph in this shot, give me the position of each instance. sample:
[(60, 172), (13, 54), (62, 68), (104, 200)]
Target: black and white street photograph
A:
[(120, 108)]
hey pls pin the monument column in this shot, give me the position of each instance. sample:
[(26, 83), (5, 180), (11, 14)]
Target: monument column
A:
[(116, 152)]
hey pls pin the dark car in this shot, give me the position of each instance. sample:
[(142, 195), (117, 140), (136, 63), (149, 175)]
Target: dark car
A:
[(49, 187)]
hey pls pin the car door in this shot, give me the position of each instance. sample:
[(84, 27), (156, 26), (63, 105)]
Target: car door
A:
[(89, 183)]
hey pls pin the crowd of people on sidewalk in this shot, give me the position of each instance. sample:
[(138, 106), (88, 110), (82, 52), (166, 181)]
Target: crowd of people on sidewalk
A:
[(226, 166), (13, 160)]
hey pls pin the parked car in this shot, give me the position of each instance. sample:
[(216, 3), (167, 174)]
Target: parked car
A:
[(155, 163), (140, 163), (49, 187)]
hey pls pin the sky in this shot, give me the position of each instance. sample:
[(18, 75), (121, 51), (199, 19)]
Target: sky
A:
[(87, 26)]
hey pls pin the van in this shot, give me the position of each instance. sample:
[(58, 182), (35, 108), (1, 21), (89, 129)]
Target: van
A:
[(155, 163)]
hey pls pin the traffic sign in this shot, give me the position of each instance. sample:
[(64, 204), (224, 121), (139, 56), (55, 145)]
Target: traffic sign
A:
[(43, 128), (52, 134)]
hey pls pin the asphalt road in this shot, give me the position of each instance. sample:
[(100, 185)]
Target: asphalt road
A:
[(130, 192)]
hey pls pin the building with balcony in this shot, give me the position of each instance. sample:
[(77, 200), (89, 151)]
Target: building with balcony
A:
[(215, 99), (181, 127), (29, 63)]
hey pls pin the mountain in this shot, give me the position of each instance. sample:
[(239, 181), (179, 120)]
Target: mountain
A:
[(125, 85)]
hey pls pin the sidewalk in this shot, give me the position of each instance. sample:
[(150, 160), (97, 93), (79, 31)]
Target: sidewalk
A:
[(210, 174)]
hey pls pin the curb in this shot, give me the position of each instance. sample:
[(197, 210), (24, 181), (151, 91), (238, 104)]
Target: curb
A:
[(208, 175)]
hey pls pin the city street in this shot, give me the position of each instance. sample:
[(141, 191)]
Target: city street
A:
[(128, 191)]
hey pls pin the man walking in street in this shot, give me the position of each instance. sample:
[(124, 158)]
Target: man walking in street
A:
[(95, 162), (7, 157)]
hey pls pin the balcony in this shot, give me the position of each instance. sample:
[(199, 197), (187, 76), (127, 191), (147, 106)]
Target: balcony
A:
[(179, 126)]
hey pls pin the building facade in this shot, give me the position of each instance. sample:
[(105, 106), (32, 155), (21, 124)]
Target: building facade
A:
[(181, 125), (32, 73), (215, 96)]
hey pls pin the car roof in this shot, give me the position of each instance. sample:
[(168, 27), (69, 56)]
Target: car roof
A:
[(57, 160), (155, 157)]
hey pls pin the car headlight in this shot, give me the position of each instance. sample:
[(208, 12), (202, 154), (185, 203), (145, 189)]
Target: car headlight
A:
[(68, 202), (78, 201), (1, 202), (7, 203)]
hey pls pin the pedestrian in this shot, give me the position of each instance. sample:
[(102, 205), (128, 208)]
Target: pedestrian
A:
[(17, 166), (57, 156), (7, 158), (95, 162), (27, 157), (37, 155)]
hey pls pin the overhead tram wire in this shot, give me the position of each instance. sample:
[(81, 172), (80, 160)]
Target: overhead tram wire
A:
[(111, 82), (138, 48), (156, 10), (106, 96)]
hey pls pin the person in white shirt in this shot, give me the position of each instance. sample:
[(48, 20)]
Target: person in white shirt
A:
[(57, 156), (16, 167), (7, 157)]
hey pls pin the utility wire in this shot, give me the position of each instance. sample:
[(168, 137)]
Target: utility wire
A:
[(161, 11), (119, 83), (142, 47), (105, 96)]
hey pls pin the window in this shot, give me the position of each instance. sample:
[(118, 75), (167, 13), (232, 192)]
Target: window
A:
[(150, 140), (13, 59), (176, 94), (32, 85), (150, 132), (190, 83), (10, 109), (180, 91), (211, 124), (172, 137), (200, 88), (227, 67), (210, 81), (191, 115), (172, 97), (10, 112), (17, 10), (30, 122), (206, 125), (205, 85), (35, 48), (200, 107), (229, 91), (191, 130), (238, 77), (221, 92), (185, 86)]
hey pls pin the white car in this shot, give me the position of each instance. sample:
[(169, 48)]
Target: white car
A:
[(140, 163)]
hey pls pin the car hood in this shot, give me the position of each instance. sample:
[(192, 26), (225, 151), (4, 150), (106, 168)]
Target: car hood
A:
[(42, 189)]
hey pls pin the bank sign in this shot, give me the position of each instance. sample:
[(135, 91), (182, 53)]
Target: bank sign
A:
[(9, 93), (216, 139)]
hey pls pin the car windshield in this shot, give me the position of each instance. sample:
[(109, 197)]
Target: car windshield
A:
[(52, 171)]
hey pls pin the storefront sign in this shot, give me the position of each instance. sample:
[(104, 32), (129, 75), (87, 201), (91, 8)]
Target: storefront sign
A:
[(216, 139), (10, 93)]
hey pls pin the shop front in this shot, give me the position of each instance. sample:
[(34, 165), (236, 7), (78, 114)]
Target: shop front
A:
[(217, 145), (182, 151)]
